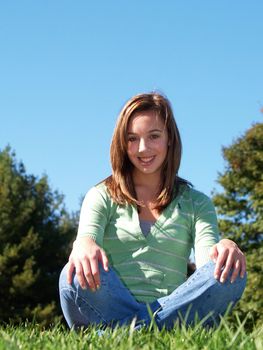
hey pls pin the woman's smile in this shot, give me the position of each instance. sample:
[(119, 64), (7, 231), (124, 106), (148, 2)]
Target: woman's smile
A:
[(147, 142), (146, 160)]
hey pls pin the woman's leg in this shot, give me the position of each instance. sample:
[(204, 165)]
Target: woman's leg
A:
[(200, 295), (112, 304)]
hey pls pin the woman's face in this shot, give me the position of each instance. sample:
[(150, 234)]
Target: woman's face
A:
[(147, 142)]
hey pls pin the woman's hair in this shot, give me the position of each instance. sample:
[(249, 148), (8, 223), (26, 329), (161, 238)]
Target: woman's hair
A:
[(120, 184)]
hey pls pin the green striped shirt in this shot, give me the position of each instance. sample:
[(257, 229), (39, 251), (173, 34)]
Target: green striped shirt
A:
[(151, 266)]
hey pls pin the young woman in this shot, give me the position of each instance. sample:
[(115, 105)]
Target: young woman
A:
[(136, 231)]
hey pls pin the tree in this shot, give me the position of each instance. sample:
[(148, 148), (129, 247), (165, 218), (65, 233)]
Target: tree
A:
[(35, 236), (240, 209)]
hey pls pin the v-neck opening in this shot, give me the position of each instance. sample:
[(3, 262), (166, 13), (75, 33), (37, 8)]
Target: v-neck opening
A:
[(154, 227), (159, 222)]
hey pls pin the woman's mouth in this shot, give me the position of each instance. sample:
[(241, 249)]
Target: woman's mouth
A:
[(146, 160)]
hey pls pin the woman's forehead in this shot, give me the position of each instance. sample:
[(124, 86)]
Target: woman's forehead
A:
[(146, 120)]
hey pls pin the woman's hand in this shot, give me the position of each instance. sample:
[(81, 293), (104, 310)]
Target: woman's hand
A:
[(85, 258), (227, 255)]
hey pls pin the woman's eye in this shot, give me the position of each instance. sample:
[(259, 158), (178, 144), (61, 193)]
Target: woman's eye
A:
[(154, 136), (131, 139)]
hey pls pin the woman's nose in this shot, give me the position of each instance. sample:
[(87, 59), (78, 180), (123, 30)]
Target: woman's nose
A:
[(142, 145)]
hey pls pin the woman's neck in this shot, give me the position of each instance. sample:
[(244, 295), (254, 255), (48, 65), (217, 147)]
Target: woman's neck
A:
[(150, 181), (147, 187)]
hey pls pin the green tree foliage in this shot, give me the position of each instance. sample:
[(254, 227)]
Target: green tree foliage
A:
[(35, 236), (240, 208)]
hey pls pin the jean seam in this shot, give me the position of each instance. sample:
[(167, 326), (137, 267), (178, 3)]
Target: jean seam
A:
[(187, 285), (76, 296)]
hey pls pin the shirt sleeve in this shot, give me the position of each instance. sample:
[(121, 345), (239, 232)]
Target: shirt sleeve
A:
[(94, 216), (206, 232)]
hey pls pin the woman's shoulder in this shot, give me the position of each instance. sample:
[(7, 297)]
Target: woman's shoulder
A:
[(193, 196), (188, 190), (101, 187), (196, 195), (99, 191), (97, 198)]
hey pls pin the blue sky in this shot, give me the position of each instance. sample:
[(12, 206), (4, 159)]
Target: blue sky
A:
[(67, 68)]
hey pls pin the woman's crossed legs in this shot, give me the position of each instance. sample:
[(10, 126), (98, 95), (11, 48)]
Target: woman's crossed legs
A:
[(113, 304)]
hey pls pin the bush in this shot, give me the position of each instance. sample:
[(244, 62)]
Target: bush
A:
[(35, 236)]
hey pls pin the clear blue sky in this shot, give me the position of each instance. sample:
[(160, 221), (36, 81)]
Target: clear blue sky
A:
[(66, 69)]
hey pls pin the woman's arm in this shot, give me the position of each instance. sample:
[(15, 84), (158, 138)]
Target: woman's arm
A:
[(205, 227), (84, 258), (87, 251), (225, 253)]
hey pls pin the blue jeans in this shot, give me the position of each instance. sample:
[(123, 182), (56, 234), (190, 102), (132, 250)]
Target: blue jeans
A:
[(201, 295)]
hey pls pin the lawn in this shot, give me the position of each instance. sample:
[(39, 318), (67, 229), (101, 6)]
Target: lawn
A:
[(227, 336)]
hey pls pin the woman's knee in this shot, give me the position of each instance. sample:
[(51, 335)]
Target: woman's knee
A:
[(63, 277), (231, 291), (237, 287), (63, 280), (206, 274)]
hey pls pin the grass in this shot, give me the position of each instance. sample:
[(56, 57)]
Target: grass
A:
[(226, 336)]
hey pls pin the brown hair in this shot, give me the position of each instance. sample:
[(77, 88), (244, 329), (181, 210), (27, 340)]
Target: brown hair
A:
[(120, 184)]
